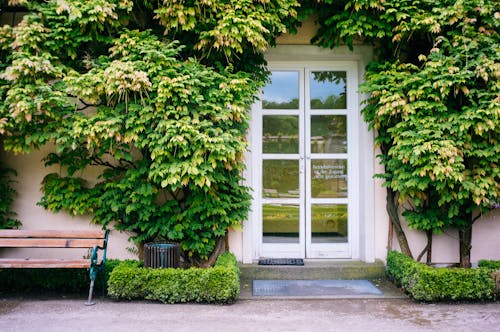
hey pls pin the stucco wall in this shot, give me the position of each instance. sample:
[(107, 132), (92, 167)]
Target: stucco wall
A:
[(31, 171), (445, 247)]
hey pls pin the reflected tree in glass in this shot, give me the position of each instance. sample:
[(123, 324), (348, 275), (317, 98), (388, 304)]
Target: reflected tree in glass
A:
[(329, 223), (280, 223), (328, 134), (280, 134), (328, 89), (280, 178)]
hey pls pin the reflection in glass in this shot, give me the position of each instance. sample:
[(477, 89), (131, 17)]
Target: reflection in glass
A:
[(280, 134), (328, 90), (282, 92), (280, 223), (329, 223), (328, 134), (329, 178), (280, 178)]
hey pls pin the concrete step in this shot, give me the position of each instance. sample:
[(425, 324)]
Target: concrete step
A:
[(314, 270)]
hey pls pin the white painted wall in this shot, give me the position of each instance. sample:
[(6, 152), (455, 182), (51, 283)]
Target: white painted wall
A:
[(486, 237)]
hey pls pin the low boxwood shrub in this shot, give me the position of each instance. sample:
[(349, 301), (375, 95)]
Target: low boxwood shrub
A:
[(427, 283), (489, 264), (52, 280), (218, 284), (400, 268)]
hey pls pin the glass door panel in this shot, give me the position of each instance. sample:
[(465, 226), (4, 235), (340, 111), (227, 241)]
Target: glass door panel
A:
[(328, 178), (280, 134), (280, 178), (328, 133), (282, 130), (329, 223), (328, 90), (282, 92), (281, 223), (327, 151)]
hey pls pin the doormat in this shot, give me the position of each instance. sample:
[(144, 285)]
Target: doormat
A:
[(281, 261), (314, 288)]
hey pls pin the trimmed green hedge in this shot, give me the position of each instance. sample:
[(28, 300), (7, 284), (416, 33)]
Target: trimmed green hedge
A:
[(58, 280), (218, 284), (494, 265), (426, 283)]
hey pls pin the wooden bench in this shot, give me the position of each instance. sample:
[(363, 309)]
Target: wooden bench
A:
[(94, 240)]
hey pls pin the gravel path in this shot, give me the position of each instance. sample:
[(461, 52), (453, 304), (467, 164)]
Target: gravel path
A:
[(54, 315)]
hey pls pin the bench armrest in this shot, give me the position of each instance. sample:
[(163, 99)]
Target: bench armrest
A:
[(94, 258)]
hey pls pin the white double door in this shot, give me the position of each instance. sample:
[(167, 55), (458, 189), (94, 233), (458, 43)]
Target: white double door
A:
[(305, 145)]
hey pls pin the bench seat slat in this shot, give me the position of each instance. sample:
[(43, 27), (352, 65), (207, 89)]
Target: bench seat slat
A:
[(13, 263), (69, 234), (50, 243)]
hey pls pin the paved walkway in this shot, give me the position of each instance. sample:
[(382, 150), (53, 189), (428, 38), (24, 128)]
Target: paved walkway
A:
[(21, 314)]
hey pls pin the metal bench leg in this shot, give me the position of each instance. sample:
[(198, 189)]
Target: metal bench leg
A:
[(92, 274), (91, 290)]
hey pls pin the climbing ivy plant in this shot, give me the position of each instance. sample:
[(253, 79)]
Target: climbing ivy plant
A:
[(8, 193), (153, 96), (434, 102)]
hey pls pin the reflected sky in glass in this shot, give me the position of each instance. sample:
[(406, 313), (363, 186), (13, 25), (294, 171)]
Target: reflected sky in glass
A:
[(328, 89), (282, 92)]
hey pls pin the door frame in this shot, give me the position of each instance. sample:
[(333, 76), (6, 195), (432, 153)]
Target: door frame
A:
[(305, 248), (360, 169)]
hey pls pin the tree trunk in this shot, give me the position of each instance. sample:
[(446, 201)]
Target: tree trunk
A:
[(429, 246), (427, 249), (392, 209), (140, 250), (465, 236), (220, 247), (390, 235)]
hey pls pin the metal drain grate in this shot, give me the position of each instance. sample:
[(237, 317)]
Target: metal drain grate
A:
[(313, 288), (281, 261)]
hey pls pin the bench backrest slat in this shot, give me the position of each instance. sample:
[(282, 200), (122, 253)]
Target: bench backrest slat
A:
[(69, 234), (14, 263), (50, 243)]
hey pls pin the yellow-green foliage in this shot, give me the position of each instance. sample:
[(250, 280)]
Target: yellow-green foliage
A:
[(162, 113), (7, 194), (433, 100)]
